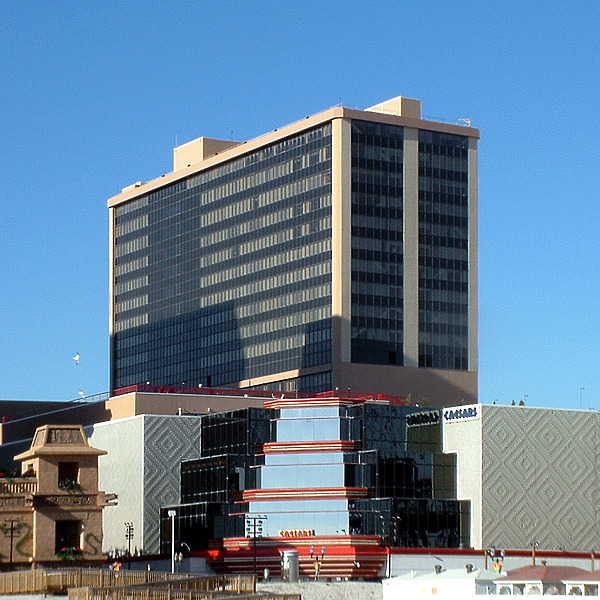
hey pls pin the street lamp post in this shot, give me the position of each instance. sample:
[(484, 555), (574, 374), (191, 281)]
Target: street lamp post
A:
[(254, 529), (172, 514), (318, 560), (129, 537)]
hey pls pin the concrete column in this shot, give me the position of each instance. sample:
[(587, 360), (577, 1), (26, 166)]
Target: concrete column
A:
[(112, 296), (341, 247), (411, 247)]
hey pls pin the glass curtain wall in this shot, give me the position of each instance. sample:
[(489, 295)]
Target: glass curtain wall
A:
[(394, 483), (226, 275), (377, 246), (443, 250)]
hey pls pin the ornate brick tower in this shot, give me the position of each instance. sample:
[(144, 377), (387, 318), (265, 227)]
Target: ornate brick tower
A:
[(54, 510)]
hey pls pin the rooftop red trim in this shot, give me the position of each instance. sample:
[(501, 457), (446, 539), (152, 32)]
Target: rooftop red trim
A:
[(273, 398), (303, 493), (205, 391), (560, 554)]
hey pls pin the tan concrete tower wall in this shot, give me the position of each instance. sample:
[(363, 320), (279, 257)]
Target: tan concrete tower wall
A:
[(111, 273), (410, 314), (341, 242)]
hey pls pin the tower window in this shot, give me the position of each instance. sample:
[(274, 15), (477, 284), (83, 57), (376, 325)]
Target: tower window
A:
[(68, 474)]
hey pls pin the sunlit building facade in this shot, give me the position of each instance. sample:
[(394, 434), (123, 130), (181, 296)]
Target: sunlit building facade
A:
[(336, 252)]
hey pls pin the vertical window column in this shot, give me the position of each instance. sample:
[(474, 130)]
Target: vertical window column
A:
[(473, 254)]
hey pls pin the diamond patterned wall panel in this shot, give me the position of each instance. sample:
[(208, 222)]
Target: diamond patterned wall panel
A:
[(167, 440), (120, 472), (540, 478)]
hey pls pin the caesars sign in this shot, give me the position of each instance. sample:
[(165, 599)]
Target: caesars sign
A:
[(464, 413), (296, 533)]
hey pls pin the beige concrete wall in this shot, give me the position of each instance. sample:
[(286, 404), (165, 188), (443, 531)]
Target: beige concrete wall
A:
[(423, 386), (44, 532), (111, 272), (88, 473), (464, 438), (403, 107), (273, 377), (341, 242), (198, 150), (142, 403), (90, 535), (121, 407), (47, 472)]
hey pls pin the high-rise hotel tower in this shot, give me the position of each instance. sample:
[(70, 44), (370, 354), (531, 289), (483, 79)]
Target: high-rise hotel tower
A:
[(336, 252)]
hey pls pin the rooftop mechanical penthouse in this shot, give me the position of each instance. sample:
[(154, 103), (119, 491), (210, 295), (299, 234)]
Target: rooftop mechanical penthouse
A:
[(336, 252)]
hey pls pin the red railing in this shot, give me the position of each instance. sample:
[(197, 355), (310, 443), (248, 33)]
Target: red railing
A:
[(268, 394)]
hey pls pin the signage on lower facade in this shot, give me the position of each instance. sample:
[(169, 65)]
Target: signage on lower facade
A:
[(423, 418), (296, 533), (464, 413)]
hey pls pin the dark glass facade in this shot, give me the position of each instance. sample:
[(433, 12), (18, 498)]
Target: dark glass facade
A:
[(443, 250), (226, 275), (392, 480), (377, 245)]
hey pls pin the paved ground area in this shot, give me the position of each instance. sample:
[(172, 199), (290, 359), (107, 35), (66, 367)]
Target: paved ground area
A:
[(321, 590)]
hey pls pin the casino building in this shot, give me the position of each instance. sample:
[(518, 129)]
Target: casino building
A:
[(338, 252), (347, 474), (530, 475), (360, 476)]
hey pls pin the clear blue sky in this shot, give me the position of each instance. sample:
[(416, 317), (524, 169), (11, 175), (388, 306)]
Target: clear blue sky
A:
[(94, 96)]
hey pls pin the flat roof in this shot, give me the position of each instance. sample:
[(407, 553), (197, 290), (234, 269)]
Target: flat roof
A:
[(310, 122)]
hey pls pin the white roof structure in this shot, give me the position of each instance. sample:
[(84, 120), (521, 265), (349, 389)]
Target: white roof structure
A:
[(458, 583), (549, 580)]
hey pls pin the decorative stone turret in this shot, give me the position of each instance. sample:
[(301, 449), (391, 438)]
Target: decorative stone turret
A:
[(54, 510)]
